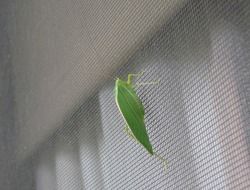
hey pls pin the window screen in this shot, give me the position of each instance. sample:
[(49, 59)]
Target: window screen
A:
[(197, 116)]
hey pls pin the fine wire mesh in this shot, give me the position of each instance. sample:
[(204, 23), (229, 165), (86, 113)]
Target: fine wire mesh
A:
[(197, 117)]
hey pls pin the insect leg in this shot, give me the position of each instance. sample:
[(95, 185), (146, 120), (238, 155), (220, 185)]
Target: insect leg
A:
[(163, 161), (129, 133), (130, 76)]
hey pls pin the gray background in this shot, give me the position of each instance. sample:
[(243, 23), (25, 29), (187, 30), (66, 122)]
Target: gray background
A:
[(60, 128)]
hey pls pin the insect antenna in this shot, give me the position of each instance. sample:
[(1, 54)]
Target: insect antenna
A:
[(147, 83)]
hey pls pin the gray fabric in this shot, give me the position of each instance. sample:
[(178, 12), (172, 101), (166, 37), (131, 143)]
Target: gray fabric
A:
[(62, 51), (7, 130), (197, 116)]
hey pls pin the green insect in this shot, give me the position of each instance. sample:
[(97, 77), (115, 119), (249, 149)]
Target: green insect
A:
[(132, 110)]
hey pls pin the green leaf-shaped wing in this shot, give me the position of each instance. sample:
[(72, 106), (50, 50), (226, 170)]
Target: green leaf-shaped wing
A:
[(132, 110)]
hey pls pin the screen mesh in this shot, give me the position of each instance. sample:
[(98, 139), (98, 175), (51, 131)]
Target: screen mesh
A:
[(197, 117)]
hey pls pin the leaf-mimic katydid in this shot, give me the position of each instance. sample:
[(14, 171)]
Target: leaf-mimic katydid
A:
[(132, 110)]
